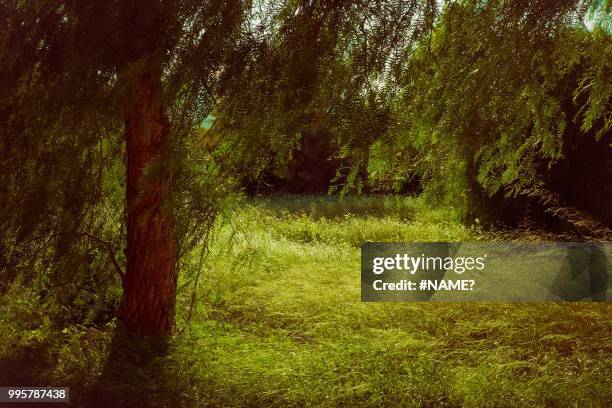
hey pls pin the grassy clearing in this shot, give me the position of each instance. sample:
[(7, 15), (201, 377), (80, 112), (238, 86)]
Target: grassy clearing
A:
[(281, 323), (278, 322)]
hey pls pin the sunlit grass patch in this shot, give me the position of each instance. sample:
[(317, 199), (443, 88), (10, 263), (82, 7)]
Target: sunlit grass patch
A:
[(293, 331)]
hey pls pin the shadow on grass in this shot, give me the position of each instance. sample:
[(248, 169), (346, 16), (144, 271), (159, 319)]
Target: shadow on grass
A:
[(29, 368), (134, 374), (24, 368)]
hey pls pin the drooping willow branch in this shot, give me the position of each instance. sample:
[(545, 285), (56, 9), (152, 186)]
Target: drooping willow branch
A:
[(111, 253)]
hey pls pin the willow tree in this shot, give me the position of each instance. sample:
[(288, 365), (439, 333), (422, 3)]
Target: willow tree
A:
[(88, 86), (329, 65), (75, 76), (495, 95)]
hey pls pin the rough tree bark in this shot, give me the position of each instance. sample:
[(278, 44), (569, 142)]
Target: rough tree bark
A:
[(149, 289)]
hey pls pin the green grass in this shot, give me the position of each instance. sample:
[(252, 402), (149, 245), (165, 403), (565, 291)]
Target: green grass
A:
[(278, 321), (281, 322)]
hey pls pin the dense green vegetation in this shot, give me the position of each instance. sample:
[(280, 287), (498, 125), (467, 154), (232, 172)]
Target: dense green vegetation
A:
[(278, 322), (140, 263)]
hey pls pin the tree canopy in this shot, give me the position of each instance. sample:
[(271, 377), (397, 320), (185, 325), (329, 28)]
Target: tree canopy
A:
[(118, 114)]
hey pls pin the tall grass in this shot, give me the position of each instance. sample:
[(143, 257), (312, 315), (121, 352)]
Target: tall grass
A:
[(277, 321), (280, 322)]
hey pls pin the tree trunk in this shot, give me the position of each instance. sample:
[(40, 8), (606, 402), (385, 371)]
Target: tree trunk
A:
[(149, 286)]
